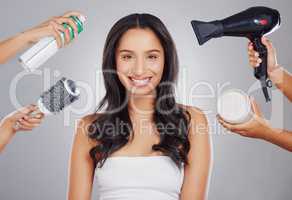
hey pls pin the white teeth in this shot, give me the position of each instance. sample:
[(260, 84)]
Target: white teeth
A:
[(140, 82)]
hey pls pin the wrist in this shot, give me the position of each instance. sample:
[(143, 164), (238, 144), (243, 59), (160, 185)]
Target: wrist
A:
[(276, 75), (6, 132), (27, 37), (268, 133), (6, 127)]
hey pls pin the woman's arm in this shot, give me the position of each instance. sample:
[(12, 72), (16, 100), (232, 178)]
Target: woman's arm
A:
[(81, 171), (196, 178)]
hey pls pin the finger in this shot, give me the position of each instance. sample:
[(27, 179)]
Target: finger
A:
[(66, 37), (251, 52), (250, 46), (267, 43), (24, 111), (33, 120), (222, 122), (255, 59), (70, 22), (28, 109), (255, 107), (58, 26), (58, 37), (254, 64), (39, 115), (24, 129), (58, 30), (232, 127), (26, 124)]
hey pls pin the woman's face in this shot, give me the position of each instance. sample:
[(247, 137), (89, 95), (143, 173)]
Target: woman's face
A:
[(140, 61)]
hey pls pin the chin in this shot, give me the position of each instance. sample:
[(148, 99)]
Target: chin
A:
[(140, 91)]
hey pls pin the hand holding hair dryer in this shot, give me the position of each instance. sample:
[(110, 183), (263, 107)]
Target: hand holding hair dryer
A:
[(252, 23)]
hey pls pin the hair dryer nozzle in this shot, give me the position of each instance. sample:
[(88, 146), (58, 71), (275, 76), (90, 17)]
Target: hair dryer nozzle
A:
[(206, 30)]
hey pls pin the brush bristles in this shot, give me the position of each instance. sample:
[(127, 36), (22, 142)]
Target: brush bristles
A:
[(59, 95)]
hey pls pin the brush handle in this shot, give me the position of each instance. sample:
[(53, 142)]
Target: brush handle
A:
[(261, 72)]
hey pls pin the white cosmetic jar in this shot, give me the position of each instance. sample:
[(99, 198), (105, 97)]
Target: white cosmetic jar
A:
[(234, 106)]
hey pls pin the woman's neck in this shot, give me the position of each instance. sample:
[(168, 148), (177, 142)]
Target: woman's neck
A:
[(141, 106)]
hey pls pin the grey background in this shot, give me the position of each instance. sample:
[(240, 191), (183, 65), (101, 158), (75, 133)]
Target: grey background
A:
[(34, 165)]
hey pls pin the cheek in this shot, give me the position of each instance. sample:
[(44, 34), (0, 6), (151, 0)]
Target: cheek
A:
[(122, 67), (123, 71), (157, 67)]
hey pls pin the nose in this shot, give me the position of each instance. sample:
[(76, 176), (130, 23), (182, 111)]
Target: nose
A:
[(139, 67)]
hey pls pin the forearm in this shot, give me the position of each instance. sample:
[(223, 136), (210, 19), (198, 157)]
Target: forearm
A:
[(11, 46), (283, 81), (5, 135), (280, 137)]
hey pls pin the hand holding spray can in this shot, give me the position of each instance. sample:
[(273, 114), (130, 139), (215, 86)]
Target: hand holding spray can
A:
[(39, 53)]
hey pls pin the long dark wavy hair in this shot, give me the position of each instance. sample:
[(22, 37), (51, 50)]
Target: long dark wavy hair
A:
[(108, 128)]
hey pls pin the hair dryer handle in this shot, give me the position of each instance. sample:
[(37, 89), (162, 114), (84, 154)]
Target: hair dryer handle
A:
[(261, 72)]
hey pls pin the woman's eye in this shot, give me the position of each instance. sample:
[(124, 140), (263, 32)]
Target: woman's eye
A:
[(126, 57), (153, 57)]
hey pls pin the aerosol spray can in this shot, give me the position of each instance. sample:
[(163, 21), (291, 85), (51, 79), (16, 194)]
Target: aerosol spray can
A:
[(39, 53)]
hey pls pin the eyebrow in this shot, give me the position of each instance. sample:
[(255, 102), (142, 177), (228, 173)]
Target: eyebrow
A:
[(130, 51)]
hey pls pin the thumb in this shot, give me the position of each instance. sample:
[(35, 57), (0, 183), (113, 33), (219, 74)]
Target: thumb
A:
[(267, 43), (255, 108)]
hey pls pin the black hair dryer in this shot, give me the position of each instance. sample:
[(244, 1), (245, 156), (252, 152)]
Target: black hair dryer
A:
[(252, 23)]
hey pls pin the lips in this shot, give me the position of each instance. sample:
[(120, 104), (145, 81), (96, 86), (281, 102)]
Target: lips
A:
[(140, 82)]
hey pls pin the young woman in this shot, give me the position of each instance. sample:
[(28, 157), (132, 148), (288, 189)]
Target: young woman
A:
[(144, 145)]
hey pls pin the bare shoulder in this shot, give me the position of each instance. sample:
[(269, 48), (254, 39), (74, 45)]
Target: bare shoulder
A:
[(197, 115), (82, 130)]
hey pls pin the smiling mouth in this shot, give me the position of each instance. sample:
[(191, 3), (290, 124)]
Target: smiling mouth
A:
[(140, 82)]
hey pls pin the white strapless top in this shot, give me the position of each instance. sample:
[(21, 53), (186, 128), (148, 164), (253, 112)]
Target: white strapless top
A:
[(139, 178)]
